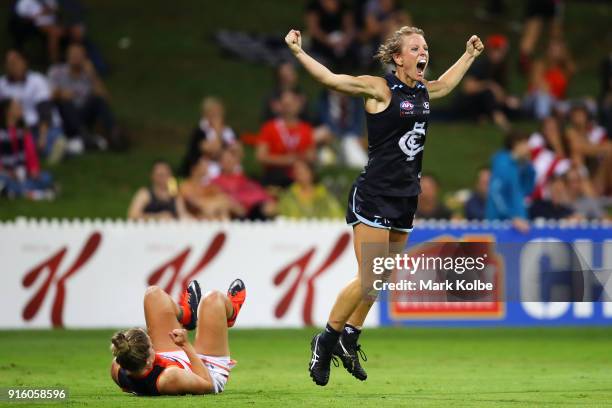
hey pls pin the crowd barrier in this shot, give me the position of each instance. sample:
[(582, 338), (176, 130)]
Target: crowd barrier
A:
[(93, 273)]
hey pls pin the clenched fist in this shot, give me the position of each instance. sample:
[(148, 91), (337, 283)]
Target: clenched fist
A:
[(179, 337), (474, 46), (294, 41)]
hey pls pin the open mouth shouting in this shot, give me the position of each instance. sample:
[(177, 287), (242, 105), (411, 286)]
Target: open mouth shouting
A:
[(420, 67)]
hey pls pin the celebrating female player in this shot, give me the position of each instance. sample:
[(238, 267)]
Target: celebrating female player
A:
[(161, 361), (383, 200)]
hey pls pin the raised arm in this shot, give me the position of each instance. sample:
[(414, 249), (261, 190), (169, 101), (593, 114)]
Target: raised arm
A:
[(176, 381), (449, 80), (365, 85)]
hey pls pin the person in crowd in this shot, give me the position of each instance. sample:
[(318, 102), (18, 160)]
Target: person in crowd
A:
[(605, 97), (31, 89), (548, 156), (56, 23), (380, 19), (590, 147), (557, 207), (82, 100), (331, 26), (485, 86), (285, 78), (512, 181), (159, 200), (209, 138), (250, 195), (20, 172), (342, 116), (206, 201), (582, 198), (42, 15), (430, 206), (475, 205), (491, 10), (306, 198), (284, 140), (538, 13), (56, 20), (549, 80)]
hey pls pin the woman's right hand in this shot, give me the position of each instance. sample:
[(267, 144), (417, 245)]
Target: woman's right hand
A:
[(294, 41), (179, 337)]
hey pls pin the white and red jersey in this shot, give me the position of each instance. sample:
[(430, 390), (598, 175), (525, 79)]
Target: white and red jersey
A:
[(597, 135), (146, 384), (546, 164)]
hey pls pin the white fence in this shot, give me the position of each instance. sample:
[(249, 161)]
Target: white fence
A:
[(94, 273)]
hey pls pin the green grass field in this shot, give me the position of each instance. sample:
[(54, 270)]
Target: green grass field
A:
[(407, 367)]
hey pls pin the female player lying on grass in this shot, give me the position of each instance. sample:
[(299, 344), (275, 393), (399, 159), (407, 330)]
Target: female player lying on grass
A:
[(161, 361)]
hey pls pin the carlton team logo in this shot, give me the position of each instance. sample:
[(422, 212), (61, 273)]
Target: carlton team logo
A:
[(412, 142)]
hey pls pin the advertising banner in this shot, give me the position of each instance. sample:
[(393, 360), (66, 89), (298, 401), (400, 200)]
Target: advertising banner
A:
[(94, 273)]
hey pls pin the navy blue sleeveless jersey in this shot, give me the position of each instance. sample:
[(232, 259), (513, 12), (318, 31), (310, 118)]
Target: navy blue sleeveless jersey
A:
[(396, 138)]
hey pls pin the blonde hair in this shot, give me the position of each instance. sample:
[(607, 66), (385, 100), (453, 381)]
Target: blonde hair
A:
[(209, 102), (393, 44), (131, 349)]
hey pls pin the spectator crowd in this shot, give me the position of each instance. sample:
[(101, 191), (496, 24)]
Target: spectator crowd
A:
[(48, 116), (562, 169)]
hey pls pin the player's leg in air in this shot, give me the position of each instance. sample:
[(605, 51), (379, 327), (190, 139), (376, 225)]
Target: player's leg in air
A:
[(161, 361), (348, 348), (352, 305), (217, 312)]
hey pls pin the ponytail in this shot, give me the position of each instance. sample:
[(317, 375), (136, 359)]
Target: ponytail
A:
[(131, 349)]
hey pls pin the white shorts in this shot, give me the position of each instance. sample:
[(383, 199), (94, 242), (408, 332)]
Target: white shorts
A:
[(218, 367)]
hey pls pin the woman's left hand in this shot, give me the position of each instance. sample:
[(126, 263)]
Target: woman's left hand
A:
[(474, 46)]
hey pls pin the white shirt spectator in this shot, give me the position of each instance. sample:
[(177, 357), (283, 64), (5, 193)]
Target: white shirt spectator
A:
[(41, 12), (29, 93), (228, 137), (546, 165), (597, 135)]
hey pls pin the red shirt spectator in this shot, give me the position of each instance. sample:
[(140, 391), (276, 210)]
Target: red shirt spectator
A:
[(246, 192), (283, 140)]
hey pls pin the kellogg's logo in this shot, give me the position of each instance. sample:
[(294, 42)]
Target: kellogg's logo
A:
[(50, 277), (301, 273)]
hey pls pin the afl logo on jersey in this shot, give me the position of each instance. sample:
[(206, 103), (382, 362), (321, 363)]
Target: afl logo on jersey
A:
[(406, 108)]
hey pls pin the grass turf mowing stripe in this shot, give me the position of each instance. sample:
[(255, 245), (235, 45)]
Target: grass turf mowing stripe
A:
[(406, 367)]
